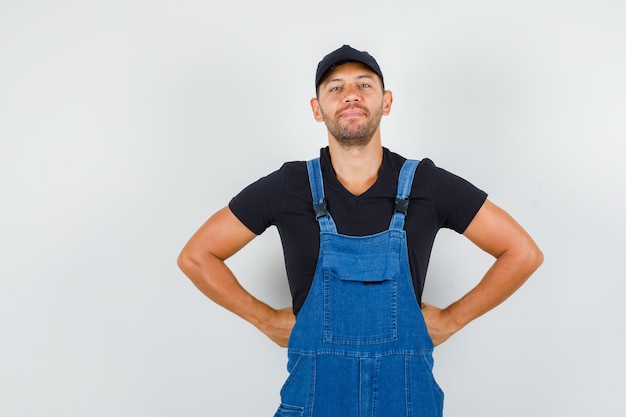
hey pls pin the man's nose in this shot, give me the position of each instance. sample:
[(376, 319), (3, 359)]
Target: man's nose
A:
[(351, 93)]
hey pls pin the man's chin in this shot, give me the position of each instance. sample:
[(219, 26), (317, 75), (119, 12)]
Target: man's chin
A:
[(353, 142)]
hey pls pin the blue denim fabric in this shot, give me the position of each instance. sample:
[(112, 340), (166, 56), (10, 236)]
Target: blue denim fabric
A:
[(360, 347)]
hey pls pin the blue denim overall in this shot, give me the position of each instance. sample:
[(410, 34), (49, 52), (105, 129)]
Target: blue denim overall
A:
[(360, 347)]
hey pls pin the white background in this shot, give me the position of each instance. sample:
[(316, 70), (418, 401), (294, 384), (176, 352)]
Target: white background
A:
[(125, 124)]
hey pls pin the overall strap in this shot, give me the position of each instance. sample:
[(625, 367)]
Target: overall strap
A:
[(319, 202), (405, 181)]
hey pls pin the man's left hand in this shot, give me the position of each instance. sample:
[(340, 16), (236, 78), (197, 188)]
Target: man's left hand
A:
[(439, 323)]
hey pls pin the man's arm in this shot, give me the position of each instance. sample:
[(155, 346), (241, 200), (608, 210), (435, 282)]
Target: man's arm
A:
[(202, 260), (517, 257)]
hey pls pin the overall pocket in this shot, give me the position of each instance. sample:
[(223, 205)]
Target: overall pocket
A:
[(360, 298), (285, 410), (425, 394), (298, 388)]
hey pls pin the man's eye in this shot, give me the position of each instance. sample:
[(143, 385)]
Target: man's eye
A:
[(336, 88), (365, 85)]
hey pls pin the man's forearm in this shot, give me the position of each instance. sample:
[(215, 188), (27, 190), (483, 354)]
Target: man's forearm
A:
[(506, 275), (215, 280), (517, 257)]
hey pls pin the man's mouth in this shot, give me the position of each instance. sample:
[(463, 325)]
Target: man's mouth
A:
[(353, 112)]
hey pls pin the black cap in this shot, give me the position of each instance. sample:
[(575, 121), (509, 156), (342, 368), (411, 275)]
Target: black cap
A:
[(344, 55)]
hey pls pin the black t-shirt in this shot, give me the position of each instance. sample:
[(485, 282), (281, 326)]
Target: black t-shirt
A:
[(283, 199)]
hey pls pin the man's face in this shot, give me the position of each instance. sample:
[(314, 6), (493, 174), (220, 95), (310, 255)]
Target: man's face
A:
[(351, 102)]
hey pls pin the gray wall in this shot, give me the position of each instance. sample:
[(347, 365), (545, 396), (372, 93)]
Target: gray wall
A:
[(125, 124)]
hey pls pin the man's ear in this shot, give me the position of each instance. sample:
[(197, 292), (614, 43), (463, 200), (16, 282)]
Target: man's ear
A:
[(387, 101), (317, 112)]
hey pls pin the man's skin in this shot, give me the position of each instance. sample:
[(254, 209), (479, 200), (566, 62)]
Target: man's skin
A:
[(351, 101)]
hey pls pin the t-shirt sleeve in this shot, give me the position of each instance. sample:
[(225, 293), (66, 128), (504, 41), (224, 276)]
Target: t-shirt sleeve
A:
[(456, 200), (256, 205)]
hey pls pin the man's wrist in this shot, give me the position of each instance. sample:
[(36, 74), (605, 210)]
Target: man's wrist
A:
[(454, 318)]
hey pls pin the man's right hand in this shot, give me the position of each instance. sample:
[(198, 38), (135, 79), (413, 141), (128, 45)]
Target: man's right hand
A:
[(278, 326)]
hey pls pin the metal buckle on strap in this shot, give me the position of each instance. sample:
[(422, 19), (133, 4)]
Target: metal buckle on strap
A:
[(320, 209), (402, 206)]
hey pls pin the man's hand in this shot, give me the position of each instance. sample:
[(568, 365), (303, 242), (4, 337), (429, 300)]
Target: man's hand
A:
[(278, 326), (439, 323)]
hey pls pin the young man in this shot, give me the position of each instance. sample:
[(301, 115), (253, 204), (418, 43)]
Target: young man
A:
[(357, 227)]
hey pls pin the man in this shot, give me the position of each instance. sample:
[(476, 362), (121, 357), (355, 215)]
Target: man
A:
[(357, 227)]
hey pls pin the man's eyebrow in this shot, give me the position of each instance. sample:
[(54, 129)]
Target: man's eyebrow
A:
[(358, 77)]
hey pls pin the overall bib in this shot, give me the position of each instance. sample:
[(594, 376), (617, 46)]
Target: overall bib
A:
[(360, 347)]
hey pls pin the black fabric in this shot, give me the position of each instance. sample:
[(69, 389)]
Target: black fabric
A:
[(283, 199), (344, 55)]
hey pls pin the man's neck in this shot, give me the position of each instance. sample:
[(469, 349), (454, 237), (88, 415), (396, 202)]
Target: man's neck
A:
[(356, 168)]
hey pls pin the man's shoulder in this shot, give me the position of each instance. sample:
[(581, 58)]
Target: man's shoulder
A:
[(397, 160), (286, 170), (290, 174), (291, 166)]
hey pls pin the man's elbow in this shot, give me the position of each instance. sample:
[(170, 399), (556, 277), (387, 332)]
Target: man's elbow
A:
[(186, 261), (533, 257)]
